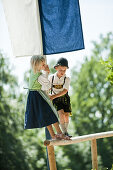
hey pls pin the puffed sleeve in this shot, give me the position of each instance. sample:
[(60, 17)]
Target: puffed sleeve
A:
[(43, 80), (50, 78), (67, 83)]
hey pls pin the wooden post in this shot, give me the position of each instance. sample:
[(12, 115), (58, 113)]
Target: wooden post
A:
[(91, 137), (94, 154), (51, 156)]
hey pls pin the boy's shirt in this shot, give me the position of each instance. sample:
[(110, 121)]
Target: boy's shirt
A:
[(59, 81)]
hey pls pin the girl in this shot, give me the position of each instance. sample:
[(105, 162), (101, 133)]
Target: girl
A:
[(39, 109)]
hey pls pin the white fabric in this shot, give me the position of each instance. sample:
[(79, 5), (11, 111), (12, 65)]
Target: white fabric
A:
[(23, 22), (43, 80), (63, 127), (66, 125), (60, 81)]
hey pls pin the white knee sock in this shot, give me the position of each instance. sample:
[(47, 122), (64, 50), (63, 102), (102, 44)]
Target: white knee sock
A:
[(66, 125), (63, 127)]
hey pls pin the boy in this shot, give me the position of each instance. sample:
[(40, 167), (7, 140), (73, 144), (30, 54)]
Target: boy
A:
[(59, 93)]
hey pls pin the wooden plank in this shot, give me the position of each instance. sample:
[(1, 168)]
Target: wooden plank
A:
[(78, 139), (51, 156), (94, 154)]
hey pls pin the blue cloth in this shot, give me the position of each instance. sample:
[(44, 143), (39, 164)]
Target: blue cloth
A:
[(61, 26), (38, 112)]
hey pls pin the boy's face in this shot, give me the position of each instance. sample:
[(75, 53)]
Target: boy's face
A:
[(61, 70)]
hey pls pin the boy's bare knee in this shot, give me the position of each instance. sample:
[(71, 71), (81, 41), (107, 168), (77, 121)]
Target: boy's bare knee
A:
[(61, 112)]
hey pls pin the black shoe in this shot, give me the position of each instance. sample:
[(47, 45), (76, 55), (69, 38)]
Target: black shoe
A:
[(67, 134)]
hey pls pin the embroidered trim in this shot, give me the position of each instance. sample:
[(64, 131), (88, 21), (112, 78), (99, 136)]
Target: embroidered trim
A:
[(58, 86)]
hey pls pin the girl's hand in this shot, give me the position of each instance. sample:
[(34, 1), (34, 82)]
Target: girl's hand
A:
[(47, 69)]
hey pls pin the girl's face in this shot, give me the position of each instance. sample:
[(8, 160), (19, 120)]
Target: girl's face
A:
[(61, 70), (40, 66)]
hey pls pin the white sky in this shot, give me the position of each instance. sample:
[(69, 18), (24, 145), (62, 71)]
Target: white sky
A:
[(97, 18)]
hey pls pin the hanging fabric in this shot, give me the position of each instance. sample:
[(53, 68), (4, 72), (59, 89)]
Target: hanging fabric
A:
[(43, 26), (61, 26), (24, 28)]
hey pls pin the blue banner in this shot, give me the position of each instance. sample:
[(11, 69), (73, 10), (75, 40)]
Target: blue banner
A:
[(61, 26)]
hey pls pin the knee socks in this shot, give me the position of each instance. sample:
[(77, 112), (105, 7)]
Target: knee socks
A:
[(64, 127)]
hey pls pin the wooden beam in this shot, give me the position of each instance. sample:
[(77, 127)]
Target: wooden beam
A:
[(51, 156), (78, 139), (94, 154)]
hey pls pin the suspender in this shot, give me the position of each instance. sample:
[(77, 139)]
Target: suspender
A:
[(64, 80), (52, 84)]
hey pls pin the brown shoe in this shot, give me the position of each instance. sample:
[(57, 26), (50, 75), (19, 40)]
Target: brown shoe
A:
[(65, 137), (67, 134)]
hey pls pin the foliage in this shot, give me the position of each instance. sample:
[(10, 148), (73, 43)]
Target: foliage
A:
[(92, 106), (19, 149), (92, 101), (51, 66), (106, 51), (10, 147), (109, 69)]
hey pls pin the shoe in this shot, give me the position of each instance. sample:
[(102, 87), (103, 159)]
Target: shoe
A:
[(67, 134), (62, 136)]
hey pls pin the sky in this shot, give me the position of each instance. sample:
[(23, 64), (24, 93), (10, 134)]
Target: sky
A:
[(97, 18)]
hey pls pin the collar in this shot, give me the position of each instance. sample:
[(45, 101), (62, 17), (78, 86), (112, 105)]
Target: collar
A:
[(60, 77)]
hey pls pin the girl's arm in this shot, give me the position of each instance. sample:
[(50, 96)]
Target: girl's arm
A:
[(59, 94), (43, 80)]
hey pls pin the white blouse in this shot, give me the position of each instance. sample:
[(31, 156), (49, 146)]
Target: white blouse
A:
[(43, 80)]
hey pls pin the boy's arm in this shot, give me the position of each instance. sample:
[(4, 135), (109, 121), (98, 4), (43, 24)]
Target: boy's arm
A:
[(59, 94)]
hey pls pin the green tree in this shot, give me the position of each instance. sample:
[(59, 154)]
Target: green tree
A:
[(12, 153), (19, 149), (107, 60), (92, 100), (51, 66)]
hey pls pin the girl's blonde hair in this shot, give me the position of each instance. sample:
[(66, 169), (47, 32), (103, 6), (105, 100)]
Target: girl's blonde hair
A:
[(36, 62)]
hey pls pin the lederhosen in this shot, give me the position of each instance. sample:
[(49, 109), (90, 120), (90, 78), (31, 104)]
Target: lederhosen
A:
[(62, 102)]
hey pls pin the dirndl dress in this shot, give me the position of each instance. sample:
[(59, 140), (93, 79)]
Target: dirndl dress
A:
[(40, 111)]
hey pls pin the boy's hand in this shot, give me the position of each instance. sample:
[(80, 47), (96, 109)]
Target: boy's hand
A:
[(59, 94), (51, 97)]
